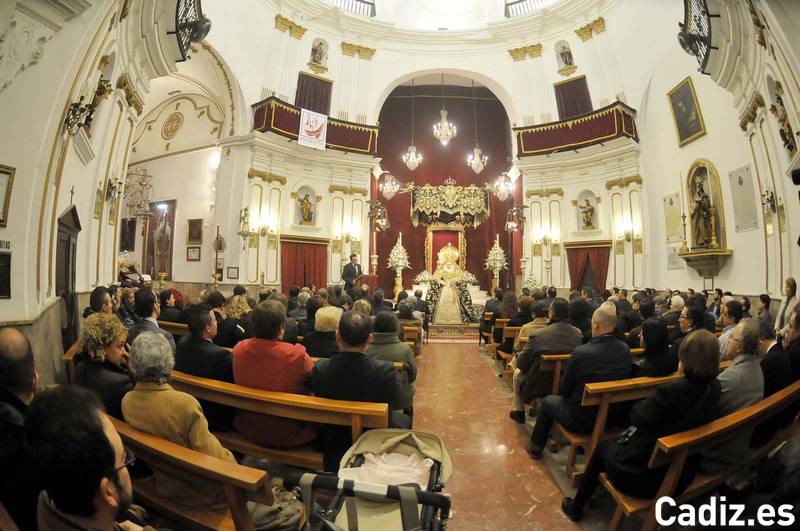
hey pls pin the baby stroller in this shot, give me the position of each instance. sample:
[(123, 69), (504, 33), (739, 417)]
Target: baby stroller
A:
[(381, 504)]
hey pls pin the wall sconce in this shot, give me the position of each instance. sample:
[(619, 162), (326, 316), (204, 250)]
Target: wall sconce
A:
[(113, 188), (768, 201), (80, 115), (625, 229)]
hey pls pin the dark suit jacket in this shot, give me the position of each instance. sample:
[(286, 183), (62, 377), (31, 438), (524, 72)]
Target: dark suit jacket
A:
[(491, 305), (19, 486), (518, 320), (304, 327), (776, 365), (352, 376), (555, 338), (172, 315), (793, 350), (290, 331), (623, 306), (320, 344), (420, 306), (349, 274), (228, 331), (671, 318), (602, 359), (146, 325), (201, 357), (384, 306), (108, 380)]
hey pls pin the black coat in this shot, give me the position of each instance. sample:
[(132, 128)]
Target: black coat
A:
[(290, 331), (172, 315), (127, 315), (19, 486), (228, 331), (518, 320), (349, 273), (109, 380), (777, 368), (304, 327), (320, 344), (145, 325), (201, 357), (662, 364)]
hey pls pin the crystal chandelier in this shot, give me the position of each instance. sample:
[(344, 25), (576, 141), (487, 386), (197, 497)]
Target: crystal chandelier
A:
[(476, 160), (412, 159), (137, 193), (444, 131), (503, 187), (389, 186)]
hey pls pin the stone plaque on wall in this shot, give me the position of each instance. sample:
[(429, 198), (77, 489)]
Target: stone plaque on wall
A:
[(674, 261), (672, 218), (745, 209)]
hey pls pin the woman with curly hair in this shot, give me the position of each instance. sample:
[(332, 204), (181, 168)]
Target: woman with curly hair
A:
[(103, 363), (238, 309)]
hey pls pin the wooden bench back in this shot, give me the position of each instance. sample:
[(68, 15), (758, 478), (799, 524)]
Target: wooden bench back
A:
[(511, 332), (176, 329), (69, 360), (411, 333), (357, 415), (241, 483), (487, 316)]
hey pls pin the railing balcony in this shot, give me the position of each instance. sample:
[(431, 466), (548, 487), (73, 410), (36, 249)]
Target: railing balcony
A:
[(517, 8), (190, 25), (695, 34), (359, 7), (603, 125)]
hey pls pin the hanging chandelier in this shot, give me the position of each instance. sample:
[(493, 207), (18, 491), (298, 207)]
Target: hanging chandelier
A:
[(137, 193), (503, 187), (476, 160), (389, 186), (412, 159), (444, 131)]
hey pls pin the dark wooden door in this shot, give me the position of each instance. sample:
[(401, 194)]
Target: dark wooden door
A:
[(66, 254)]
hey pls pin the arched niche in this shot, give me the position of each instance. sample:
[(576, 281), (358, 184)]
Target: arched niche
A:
[(306, 207), (587, 210), (563, 53), (702, 178)]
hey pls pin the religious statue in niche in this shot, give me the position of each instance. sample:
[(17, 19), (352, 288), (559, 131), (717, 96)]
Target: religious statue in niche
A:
[(566, 64), (306, 210), (587, 215), (319, 56), (163, 242), (702, 215)]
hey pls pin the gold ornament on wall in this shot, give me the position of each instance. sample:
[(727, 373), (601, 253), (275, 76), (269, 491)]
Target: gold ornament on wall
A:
[(172, 125)]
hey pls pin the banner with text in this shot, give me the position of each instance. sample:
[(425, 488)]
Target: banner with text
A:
[(313, 129)]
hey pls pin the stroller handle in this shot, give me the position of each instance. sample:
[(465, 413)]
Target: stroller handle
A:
[(353, 488)]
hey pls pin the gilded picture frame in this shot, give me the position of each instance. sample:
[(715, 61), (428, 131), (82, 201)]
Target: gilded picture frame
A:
[(194, 231), (6, 184), (686, 114)]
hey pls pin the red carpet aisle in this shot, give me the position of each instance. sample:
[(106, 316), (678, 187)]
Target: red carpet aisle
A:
[(495, 486)]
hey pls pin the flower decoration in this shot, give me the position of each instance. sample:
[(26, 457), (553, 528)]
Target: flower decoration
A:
[(496, 260), (398, 256)]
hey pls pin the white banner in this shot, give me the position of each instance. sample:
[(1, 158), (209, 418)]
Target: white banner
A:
[(313, 129)]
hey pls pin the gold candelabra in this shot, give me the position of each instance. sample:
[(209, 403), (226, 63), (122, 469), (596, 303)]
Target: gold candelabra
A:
[(684, 246), (217, 278), (162, 276), (714, 242)]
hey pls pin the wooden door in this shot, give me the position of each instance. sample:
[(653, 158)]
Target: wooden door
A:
[(66, 258)]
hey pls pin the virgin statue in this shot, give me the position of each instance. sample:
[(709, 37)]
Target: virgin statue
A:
[(448, 307), (701, 217)]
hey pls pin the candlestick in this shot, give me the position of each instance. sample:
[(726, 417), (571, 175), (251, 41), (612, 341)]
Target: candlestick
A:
[(680, 189)]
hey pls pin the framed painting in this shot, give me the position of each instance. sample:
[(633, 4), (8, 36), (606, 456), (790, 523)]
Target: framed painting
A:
[(193, 254), (233, 273), (160, 238), (6, 182), (127, 235), (194, 231), (689, 124), (98, 203)]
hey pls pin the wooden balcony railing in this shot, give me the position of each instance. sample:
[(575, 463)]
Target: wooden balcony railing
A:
[(275, 116), (613, 121)]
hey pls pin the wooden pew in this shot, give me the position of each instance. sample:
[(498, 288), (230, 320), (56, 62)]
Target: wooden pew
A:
[(176, 329), (509, 332), (356, 415), (487, 316), (674, 450), (241, 483), (499, 324), (6, 523), (413, 334), (69, 360)]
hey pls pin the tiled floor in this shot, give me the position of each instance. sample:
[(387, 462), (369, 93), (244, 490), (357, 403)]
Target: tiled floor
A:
[(495, 484)]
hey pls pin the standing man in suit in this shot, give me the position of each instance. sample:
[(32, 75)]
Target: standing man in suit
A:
[(350, 274), (148, 309), (199, 356)]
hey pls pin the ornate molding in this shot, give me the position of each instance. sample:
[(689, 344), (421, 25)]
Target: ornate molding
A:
[(707, 263), (347, 190), (624, 182), (530, 50), (545, 193), (350, 49), (265, 176), (594, 27), (751, 112), (21, 46), (131, 96), (567, 70), (283, 24), (584, 32)]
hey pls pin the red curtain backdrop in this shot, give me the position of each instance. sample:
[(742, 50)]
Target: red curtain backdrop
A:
[(596, 257), (303, 264), (576, 262), (313, 94), (572, 98), (439, 240), (439, 163)]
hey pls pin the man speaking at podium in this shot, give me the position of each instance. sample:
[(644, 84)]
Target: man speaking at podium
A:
[(351, 273)]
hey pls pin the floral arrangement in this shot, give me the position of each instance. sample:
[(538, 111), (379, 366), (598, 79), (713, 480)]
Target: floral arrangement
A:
[(532, 284), (469, 278), (497, 258), (398, 256), (424, 277)]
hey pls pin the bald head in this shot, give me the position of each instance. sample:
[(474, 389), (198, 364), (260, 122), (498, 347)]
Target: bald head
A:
[(604, 319), (17, 372)]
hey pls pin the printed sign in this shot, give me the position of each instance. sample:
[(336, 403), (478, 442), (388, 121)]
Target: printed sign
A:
[(313, 129)]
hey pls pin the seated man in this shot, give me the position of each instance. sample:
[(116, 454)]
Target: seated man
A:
[(19, 487), (266, 362), (299, 312), (321, 342), (387, 346), (539, 320), (671, 317), (692, 318), (289, 325), (156, 408), (522, 317), (558, 337), (777, 369), (199, 356), (81, 462), (604, 358), (379, 304), (405, 318), (148, 309), (228, 330), (731, 314), (350, 375)]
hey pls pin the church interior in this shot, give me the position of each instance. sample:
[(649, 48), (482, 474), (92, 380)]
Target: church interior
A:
[(391, 264)]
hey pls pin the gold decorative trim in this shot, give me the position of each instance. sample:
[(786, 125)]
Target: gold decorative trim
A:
[(347, 190), (584, 32), (568, 70), (624, 182), (751, 112), (638, 246), (544, 193), (9, 185), (557, 83), (517, 54), (318, 68), (295, 30), (131, 96), (529, 50), (598, 25), (304, 239), (265, 176), (316, 76), (590, 243), (462, 243), (228, 84), (351, 49), (181, 152)]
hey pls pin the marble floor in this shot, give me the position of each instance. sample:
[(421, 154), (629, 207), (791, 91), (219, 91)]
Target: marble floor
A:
[(495, 484)]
